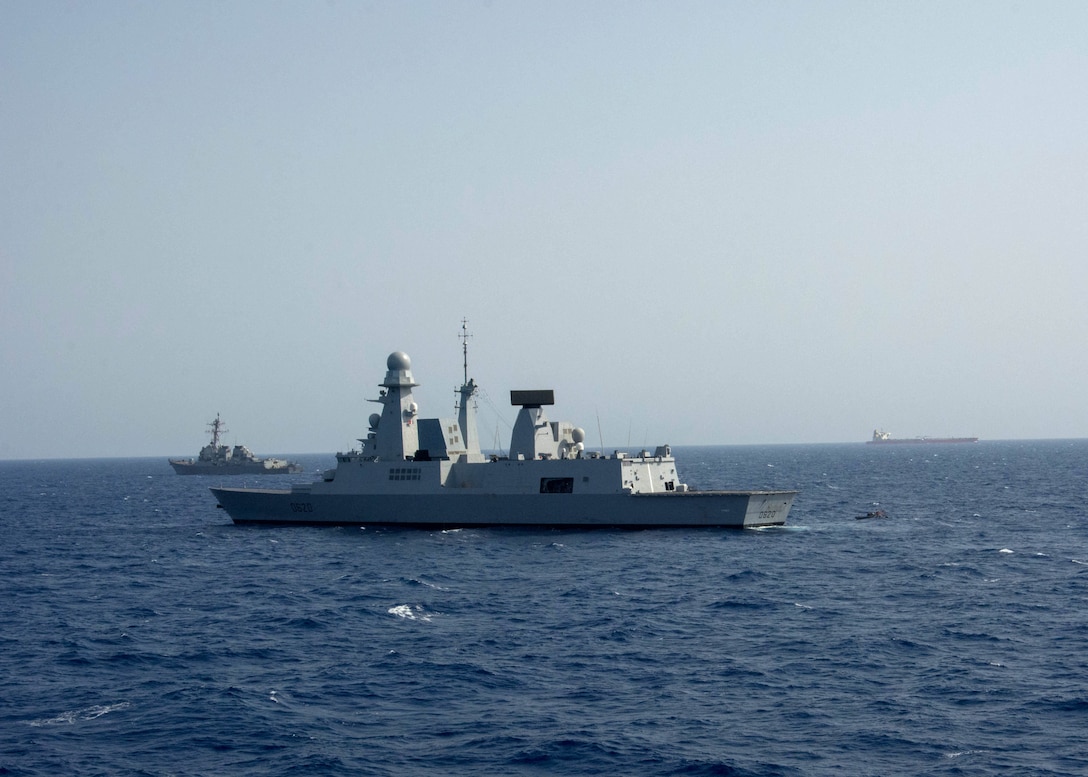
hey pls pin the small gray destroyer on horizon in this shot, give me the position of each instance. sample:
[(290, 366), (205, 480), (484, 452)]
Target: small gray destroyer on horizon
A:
[(216, 459), (430, 472)]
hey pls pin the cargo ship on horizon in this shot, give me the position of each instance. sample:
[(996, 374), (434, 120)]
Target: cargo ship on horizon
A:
[(884, 438)]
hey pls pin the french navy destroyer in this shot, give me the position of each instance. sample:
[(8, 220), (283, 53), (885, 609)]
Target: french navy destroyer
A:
[(431, 472), (216, 459)]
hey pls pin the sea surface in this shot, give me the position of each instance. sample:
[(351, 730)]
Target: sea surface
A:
[(141, 633)]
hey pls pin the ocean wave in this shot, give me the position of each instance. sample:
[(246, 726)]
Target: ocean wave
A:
[(83, 714), (410, 612)]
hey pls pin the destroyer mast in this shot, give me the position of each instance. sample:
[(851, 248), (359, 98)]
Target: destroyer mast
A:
[(466, 406)]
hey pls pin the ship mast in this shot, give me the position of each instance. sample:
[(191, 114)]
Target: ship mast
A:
[(217, 427), (464, 347), (466, 408)]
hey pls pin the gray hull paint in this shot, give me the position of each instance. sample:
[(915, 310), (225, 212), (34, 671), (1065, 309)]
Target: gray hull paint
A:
[(184, 468), (456, 509)]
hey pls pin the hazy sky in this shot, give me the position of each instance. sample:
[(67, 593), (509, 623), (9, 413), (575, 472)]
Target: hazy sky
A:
[(753, 222)]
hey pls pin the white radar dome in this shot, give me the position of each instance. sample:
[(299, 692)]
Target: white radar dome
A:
[(398, 360), (578, 434)]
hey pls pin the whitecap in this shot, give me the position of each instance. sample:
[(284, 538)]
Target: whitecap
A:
[(964, 752), (99, 710), (1004, 550), (435, 586), (87, 713), (407, 612)]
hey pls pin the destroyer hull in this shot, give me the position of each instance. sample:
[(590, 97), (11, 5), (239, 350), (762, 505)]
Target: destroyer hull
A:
[(190, 468), (451, 509)]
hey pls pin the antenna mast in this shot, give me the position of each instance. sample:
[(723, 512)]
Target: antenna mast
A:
[(464, 346), (216, 428)]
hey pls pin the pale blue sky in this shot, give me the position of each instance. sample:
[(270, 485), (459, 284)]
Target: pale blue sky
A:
[(758, 222)]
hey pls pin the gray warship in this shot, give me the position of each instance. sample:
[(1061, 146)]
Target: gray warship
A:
[(216, 459), (431, 472)]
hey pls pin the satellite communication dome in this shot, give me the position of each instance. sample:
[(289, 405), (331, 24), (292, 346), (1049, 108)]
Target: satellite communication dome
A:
[(374, 420), (398, 360), (578, 434)]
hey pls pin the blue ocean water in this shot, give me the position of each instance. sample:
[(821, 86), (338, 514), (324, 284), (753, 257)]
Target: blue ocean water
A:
[(142, 633)]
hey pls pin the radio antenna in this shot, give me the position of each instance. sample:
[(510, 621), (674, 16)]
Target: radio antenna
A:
[(464, 346)]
